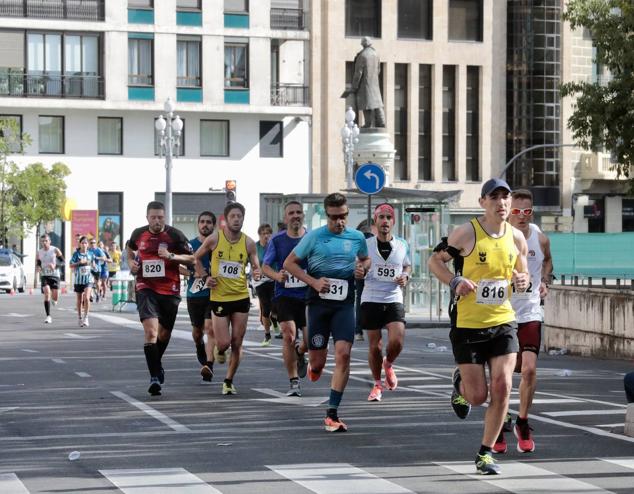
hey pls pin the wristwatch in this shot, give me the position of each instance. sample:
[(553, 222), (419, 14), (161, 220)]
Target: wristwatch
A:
[(172, 256)]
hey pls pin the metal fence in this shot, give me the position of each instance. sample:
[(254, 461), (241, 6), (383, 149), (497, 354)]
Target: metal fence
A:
[(289, 95), (287, 19), (87, 10), (16, 83)]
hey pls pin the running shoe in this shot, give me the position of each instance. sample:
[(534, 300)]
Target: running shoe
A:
[(201, 355), (54, 302), (48, 320), (279, 336), (229, 389), (359, 337), (161, 376), (266, 341), (313, 376), (391, 382), (86, 322), (302, 364), (525, 443), (335, 425), (155, 387), (207, 374), (486, 465), (294, 389), (460, 406), (376, 394), (80, 322), (219, 356), (500, 444)]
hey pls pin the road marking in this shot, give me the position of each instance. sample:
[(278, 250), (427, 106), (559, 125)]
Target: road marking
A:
[(522, 478), (59, 361), (83, 374), (624, 462), (15, 314), (80, 336), (611, 425), (416, 378), (337, 478), (161, 417), (431, 386), (289, 400), (11, 484), (574, 413), (29, 351), (7, 409), (158, 481), (546, 401)]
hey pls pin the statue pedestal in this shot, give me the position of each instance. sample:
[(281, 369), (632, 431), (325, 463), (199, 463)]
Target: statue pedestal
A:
[(376, 146)]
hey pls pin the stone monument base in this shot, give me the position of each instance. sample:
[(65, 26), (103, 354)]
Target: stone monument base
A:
[(375, 145)]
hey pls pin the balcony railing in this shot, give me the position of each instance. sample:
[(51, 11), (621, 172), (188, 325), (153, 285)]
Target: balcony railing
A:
[(50, 85), (85, 10), (188, 81), (289, 95), (287, 19)]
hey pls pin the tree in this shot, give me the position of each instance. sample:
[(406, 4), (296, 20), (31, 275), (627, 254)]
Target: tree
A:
[(603, 113)]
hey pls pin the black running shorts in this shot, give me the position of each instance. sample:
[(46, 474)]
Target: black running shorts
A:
[(265, 296), (152, 305), (225, 309), (50, 281), (199, 309), (291, 309), (377, 316), (477, 346)]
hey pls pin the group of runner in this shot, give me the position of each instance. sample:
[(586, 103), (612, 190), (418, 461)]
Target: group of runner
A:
[(501, 271)]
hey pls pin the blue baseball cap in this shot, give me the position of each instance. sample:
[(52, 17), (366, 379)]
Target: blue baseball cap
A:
[(492, 184)]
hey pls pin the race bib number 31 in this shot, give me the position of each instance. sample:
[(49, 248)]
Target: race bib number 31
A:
[(387, 272), (492, 292), (230, 269), (337, 290), (154, 268)]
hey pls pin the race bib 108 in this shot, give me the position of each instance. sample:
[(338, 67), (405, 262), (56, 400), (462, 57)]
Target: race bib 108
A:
[(337, 290), (230, 269)]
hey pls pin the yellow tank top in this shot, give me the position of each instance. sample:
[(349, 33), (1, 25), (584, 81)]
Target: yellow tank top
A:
[(228, 261), (490, 265)]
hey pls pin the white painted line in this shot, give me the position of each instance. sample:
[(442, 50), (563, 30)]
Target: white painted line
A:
[(29, 351), (585, 400), (547, 401), (161, 417), (83, 374), (431, 386), (158, 481), (337, 478), (574, 413), (611, 425), (7, 409), (80, 336), (11, 484), (310, 401), (523, 478), (624, 462), (59, 361), (415, 378)]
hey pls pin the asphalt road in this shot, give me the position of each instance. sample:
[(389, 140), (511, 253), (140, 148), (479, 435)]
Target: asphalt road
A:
[(66, 389)]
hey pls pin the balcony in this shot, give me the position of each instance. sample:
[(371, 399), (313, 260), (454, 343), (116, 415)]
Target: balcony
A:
[(15, 83), (289, 95), (597, 166), (84, 10), (291, 19)]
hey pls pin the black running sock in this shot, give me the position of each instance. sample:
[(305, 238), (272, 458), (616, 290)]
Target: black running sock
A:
[(200, 348), (210, 364), (267, 336), (47, 307), (294, 380), (484, 450), (332, 413), (162, 346), (152, 358), (228, 382), (520, 421)]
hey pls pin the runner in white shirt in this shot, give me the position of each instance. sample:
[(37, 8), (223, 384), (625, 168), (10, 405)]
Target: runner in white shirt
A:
[(529, 318), (49, 258), (382, 298)]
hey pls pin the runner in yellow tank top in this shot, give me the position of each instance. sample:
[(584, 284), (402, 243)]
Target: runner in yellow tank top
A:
[(230, 250), (488, 255)]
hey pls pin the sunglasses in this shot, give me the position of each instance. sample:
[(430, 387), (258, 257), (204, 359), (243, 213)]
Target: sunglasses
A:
[(525, 212), (335, 217)]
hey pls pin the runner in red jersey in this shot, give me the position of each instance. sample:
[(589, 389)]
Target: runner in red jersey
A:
[(154, 254)]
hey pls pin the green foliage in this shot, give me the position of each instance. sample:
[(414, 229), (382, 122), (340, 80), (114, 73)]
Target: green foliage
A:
[(603, 113)]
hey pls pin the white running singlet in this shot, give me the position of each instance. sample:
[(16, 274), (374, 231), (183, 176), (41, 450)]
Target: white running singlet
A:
[(527, 305), (380, 286)]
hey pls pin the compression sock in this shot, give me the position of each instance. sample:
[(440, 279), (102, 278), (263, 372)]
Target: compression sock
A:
[(152, 358), (47, 307)]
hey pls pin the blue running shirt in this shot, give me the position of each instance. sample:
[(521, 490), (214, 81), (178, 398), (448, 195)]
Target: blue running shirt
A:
[(277, 250)]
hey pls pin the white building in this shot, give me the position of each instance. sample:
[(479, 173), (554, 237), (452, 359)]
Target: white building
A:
[(86, 79)]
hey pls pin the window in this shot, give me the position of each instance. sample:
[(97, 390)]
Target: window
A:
[(473, 124), (448, 123), (177, 151), (237, 6), (140, 62), (11, 130), (81, 65), (51, 135), (188, 61), (465, 20), (271, 139), (415, 19), (214, 137), (424, 122), (140, 4), (363, 18), (44, 58), (400, 122), (236, 68), (188, 4), (110, 135)]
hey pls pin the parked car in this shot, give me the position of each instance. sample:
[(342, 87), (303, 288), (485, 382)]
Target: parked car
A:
[(12, 276)]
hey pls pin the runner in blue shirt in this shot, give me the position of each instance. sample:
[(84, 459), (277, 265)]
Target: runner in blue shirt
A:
[(335, 256), (82, 262), (290, 293)]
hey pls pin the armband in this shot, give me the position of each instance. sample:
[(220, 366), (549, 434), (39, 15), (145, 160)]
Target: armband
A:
[(442, 245), (455, 281)]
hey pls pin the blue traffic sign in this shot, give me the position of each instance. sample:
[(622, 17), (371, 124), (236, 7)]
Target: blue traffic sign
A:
[(370, 178)]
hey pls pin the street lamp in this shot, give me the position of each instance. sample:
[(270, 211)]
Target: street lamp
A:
[(170, 136), (349, 137)]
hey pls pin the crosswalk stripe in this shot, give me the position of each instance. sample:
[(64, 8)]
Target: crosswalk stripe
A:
[(161, 417), (625, 462), (546, 401), (574, 413), (158, 481), (11, 484), (523, 478), (337, 478)]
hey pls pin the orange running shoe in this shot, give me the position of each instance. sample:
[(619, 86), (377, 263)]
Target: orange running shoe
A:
[(391, 382), (376, 394), (335, 425), (313, 376), (500, 444), (525, 443)]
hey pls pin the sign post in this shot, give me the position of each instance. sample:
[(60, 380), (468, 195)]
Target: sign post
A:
[(370, 179)]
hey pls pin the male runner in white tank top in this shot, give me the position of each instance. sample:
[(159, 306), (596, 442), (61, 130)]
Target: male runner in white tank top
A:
[(49, 260), (529, 317)]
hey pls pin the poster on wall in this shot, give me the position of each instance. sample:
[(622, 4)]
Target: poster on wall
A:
[(55, 231), (83, 222), (110, 228)]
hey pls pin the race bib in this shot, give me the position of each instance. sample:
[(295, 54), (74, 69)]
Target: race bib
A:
[(492, 292), (230, 269), (523, 295), (197, 286), (153, 268), (293, 282), (337, 290), (49, 272), (263, 279), (387, 272), (84, 270)]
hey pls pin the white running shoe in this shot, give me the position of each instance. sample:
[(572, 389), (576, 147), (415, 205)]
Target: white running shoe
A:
[(80, 322), (54, 302), (86, 323), (48, 320)]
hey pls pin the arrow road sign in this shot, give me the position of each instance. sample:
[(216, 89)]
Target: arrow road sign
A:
[(370, 178)]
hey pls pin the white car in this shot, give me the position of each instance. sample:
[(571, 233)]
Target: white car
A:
[(12, 275)]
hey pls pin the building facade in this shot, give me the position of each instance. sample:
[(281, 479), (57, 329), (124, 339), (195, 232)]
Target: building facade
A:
[(87, 79)]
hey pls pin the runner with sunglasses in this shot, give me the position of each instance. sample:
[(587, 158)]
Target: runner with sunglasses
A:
[(529, 318), (335, 255)]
